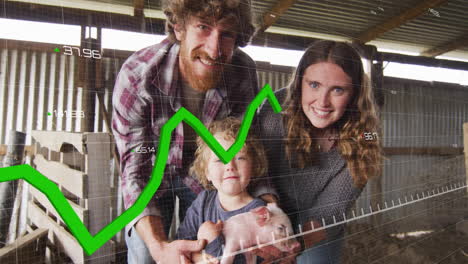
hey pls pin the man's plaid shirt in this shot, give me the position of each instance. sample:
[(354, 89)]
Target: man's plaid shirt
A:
[(147, 94)]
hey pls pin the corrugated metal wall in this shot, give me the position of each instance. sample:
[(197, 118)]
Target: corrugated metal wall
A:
[(35, 90), (33, 85), (423, 114), (420, 114), (276, 80)]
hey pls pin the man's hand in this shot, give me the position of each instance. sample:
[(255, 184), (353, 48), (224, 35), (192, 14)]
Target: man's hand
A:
[(150, 229), (200, 258), (178, 251)]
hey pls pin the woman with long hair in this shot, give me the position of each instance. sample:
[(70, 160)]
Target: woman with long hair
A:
[(319, 158)]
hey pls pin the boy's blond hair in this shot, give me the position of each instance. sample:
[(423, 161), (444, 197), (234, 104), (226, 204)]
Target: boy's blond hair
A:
[(229, 127)]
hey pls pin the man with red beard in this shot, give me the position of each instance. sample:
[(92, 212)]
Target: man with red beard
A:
[(199, 67)]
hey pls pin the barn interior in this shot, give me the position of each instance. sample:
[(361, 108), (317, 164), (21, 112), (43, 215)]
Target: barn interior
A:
[(56, 111)]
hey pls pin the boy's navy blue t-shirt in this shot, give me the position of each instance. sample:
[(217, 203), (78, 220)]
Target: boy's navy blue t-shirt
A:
[(207, 207)]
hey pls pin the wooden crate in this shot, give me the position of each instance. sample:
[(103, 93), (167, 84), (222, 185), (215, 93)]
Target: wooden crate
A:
[(79, 163), (28, 249)]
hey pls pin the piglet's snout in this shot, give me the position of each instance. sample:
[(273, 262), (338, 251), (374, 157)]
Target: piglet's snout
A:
[(289, 245)]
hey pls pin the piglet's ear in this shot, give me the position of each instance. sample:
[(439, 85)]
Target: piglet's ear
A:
[(262, 215)]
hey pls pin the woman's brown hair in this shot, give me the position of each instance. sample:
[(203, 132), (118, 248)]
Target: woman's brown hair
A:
[(363, 157)]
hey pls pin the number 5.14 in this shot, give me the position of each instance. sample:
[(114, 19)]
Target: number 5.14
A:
[(87, 53)]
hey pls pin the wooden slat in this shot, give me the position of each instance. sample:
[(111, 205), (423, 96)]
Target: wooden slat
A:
[(138, 6), (68, 155), (271, 16), (74, 159), (42, 151), (72, 180), (54, 156), (67, 242), (44, 201), (399, 20), (449, 46), (3, 150), (55, 140), (98, 171), (29, 150), (26, 249)]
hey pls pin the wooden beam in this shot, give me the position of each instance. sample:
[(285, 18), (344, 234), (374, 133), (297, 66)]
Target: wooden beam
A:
[(73, 16), (62, 239), (425, 61), (45, 202), (28, 45), (271, 16), (449, 46), (398, 20), (29, 150), (138, 6), (55, 140), (27, 249), (74, 181), (465, 143), (274, 40)]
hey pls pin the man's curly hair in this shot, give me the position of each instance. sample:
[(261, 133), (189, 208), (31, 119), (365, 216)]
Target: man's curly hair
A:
[(178, 11)]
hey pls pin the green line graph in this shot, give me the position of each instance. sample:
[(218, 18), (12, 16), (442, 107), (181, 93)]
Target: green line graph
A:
[(92, 243)]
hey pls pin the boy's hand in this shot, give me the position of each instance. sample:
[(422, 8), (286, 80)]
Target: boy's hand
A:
[(210, 231)]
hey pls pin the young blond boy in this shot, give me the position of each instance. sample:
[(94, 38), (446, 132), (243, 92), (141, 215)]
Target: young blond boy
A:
[(226, 185)]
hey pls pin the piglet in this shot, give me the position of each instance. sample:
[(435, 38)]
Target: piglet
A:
[(259, 226)]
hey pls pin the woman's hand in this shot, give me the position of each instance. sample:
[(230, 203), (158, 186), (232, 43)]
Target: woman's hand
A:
[(313, 238), (268, 198), (271, 254)]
